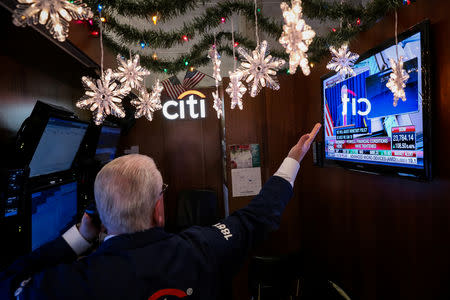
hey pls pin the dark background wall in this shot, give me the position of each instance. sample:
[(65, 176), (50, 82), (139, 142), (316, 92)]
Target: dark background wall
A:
[(378, 237), (32, 68)]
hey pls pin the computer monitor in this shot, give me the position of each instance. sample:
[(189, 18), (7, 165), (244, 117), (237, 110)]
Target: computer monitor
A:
[(57, 146), (53, 211), (107, 144)]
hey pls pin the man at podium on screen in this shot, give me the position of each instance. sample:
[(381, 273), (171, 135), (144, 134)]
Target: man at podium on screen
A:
[(138, 259)]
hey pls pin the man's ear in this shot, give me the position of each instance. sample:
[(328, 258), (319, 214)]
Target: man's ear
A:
[(158, 213)]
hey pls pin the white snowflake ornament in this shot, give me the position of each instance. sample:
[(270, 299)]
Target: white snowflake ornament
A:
[(236, 89), (54, 14), (296, 36), (217, 103), (260, 69), (130, 72), (103, 97), (215, 57), (397, 80), (147, 103), (342, 61)]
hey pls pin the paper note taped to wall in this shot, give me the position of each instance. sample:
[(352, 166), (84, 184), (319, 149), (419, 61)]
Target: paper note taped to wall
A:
[(246, 181)]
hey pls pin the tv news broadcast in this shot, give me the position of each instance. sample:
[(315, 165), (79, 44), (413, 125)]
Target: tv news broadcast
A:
[(362, 122)]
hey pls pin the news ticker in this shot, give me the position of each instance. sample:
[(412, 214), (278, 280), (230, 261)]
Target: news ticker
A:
[(375, 158)]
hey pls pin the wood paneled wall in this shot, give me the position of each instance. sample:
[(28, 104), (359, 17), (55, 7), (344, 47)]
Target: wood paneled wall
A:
[(378, 237), (33, 68)]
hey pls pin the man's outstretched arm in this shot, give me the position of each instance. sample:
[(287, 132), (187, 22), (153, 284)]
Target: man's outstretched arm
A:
[(229, 241)]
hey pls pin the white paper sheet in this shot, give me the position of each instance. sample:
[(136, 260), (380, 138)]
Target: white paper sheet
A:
[(246, 181)]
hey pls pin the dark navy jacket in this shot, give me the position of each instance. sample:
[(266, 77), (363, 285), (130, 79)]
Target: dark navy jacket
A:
[(151, 264)]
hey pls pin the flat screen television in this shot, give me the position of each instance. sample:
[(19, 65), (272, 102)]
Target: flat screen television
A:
[(53, 211), (57, 146), (107, 144), (363, 129)]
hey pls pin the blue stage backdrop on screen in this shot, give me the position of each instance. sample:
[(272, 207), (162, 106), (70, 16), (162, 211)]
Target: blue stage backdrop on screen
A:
[(352, 88)]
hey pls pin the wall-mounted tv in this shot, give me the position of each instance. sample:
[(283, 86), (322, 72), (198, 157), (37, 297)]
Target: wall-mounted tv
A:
[(363, 129)]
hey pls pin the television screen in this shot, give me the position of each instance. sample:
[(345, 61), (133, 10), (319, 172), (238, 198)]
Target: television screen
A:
[(57, 147), (107, 144), (363, 124), (53, 211)]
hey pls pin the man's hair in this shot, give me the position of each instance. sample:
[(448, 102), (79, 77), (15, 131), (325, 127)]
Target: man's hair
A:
[(126, 190)]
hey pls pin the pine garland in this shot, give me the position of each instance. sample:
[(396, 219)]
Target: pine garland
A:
[(196, 57), (210, 19), (165, 9), (314, 9)]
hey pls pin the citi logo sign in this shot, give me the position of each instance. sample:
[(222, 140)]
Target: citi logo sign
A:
[(190, 103)]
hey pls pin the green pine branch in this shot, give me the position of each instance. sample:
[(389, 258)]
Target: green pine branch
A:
[(210, 19), (195, 57), (165, 9)]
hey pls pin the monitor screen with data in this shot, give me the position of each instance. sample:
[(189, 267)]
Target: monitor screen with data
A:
[(57, 147), (53, 211)]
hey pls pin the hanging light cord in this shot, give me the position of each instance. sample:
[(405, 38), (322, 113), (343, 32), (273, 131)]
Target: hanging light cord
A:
[(396, 35), (256, 24), (101, 43), (232, 41)]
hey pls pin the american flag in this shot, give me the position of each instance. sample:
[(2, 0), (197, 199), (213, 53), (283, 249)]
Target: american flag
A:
[(192, 78), (329, 126), (173, 87)]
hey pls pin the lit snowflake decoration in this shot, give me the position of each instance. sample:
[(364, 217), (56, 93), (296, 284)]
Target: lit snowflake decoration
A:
[(236, 89), (147, 103), (296, 36), (130, 73), (342, 61), (54, 14), (217, 103), (397, 80), (215, 57), (103, 97), (260, 68)]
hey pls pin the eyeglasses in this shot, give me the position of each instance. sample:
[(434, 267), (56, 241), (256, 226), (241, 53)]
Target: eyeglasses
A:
[(165, 186)]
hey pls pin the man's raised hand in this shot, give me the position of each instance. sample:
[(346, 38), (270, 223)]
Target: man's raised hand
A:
[(301, 148)]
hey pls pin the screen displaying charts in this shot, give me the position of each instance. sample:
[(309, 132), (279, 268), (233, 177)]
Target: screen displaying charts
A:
[(53, 211)]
